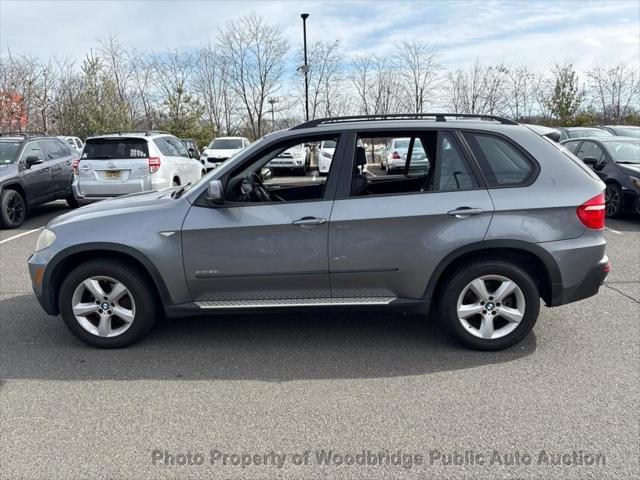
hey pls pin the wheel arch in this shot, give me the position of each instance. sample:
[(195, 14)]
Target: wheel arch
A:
[(67, 259), (529, 256), (17, 186)]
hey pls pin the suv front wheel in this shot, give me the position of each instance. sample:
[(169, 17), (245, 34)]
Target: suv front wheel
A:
[(490, 305), (107, 304)]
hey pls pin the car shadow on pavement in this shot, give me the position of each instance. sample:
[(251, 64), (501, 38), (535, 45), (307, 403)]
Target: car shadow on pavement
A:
[(269, 347)]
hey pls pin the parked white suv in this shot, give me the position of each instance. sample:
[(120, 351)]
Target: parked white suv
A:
[(221, 149), (74, 142), (124, 163)]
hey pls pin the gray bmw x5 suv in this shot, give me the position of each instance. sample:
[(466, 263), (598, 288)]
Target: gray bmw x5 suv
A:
[(497, 219)]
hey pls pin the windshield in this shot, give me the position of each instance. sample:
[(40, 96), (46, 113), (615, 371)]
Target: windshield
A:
[(628, 132), (226, 144), (116, 148), (589, 132), (624, 152), (8, 151)]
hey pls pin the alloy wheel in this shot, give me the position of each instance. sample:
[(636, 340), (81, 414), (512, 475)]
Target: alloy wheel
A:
[(491, 307), (15, 209), (103, 306), (612, 200)]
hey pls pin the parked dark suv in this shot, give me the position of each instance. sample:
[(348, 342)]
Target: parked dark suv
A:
[(34, 169), (497, 218)]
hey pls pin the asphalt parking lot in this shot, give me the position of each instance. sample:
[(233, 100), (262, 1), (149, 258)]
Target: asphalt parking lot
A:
[(347, 382)]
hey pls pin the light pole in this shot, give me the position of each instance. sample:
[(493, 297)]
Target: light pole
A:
[(305, 67), (273, 101)]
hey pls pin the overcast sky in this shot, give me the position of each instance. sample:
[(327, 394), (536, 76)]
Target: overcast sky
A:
[(538, 33)]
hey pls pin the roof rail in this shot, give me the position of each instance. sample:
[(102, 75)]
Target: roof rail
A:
[(438, 117), (126, 132), (24, 134)]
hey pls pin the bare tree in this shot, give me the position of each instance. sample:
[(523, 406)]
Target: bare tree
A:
[(212, 85), (180, 109), (143, 95), (478, 90), (420, 73), (520, 87), (377, 85), (325, 80), (615, 88), (255, 55)]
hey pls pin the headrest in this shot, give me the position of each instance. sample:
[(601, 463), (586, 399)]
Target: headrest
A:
[(361, 157)]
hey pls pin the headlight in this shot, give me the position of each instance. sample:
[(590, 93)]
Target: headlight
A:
[(635, 181), (46, 238)]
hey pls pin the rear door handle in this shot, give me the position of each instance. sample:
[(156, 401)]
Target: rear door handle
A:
[(308, 221), (464, 212)]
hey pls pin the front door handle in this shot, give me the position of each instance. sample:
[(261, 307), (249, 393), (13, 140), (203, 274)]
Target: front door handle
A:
[(308, 221), (464, 212), (46, 169)]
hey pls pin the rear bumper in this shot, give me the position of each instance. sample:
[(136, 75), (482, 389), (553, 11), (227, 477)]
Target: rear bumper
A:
[(105, 191), (590, 285), (582, 264)]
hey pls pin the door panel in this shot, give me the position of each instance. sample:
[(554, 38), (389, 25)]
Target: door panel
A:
[(37, 178), (390, 245), (255, 252)]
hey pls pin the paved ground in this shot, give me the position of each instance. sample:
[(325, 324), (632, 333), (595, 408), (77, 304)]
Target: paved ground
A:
[(340, 382)]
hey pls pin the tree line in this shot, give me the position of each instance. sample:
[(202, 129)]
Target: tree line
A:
[(241, 84)]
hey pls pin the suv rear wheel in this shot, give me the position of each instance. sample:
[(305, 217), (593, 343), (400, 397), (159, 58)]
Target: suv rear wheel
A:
[(13, 209), (107, 304), (490, 305)]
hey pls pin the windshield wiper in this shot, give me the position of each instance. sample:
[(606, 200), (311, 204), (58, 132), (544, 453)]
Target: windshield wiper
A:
[(178, 193)]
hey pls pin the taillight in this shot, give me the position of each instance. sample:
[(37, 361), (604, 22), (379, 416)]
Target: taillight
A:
[(154, 164), (591, 212), (396, 156), (74, 166)]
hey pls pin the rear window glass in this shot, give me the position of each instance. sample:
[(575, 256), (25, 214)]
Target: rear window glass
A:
[(501, 163), (116, 148), (226, 144)]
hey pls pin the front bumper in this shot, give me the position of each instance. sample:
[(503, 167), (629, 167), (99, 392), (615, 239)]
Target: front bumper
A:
[(212, 162), (37, 263), (631, 200)]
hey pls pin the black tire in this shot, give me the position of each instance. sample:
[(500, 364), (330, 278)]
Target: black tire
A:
[(13, 209), (142, 293), (613, 200), (72, 201), (458, 281)]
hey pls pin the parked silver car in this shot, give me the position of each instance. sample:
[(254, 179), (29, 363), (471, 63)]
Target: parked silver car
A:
[(125, 163), (502, 218)]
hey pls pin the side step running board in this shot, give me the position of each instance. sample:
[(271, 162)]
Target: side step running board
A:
[(295, 302)]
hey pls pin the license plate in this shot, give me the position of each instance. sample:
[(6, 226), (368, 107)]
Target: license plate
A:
[(112, 174)]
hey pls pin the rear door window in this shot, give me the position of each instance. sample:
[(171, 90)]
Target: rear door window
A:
[(115, 148), (54, 149), (502, 163), (590, 150), (178, 146), (572, 146)]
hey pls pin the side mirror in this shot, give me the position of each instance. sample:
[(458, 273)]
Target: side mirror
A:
[(215, 192), (192, 152), (33, 160), (593, 163)]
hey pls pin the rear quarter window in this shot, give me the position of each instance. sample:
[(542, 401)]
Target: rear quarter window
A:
[(501, 163), (115, 148)]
